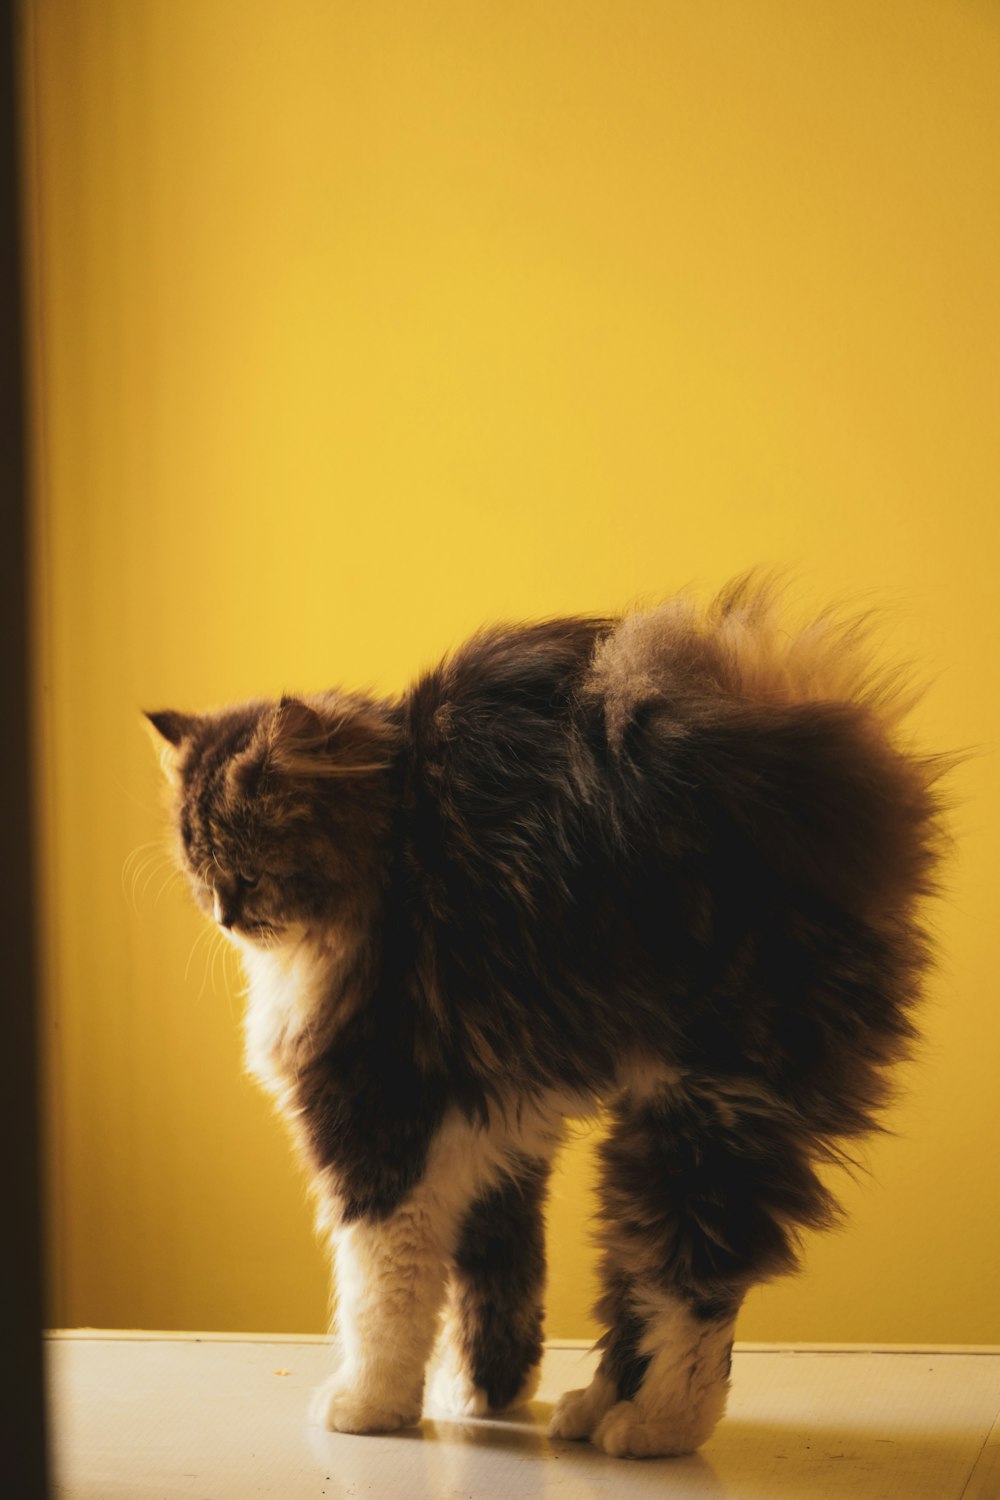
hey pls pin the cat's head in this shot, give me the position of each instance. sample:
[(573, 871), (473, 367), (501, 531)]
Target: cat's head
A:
[(280, 809)]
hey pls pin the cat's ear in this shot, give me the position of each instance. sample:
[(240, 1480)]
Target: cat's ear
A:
[(298, 729), (305, 744), (175, 728)]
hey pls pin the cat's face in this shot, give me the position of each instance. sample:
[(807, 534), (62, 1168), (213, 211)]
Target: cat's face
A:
[(272, 823)]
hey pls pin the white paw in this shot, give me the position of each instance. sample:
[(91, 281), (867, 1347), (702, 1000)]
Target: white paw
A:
[(626, 1432), (339, 1406), (578, 1412)]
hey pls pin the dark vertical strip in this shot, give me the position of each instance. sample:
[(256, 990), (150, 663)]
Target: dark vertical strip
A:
[(22, 1440)]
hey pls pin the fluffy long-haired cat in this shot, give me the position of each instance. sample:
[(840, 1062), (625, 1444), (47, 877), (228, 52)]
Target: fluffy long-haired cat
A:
[(667, 863)]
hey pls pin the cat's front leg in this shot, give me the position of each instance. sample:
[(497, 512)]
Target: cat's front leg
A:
[(390, 1277)]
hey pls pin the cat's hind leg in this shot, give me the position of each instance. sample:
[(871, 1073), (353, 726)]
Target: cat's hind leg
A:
[(701, 1196), (492, 1343)]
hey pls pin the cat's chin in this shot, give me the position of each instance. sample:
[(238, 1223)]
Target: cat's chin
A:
[(255, 934)]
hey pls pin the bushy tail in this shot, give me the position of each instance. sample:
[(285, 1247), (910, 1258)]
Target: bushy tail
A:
[(765, 766)]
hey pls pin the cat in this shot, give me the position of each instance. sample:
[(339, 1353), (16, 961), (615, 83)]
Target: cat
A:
[(668, 864)]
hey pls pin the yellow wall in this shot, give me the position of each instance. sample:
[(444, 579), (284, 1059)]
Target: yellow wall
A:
[(357, 324)]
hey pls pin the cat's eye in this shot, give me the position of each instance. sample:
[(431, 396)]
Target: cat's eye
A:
[(249, 881)]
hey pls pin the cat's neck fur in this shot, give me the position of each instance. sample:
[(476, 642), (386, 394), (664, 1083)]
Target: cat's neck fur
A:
[(300, 991)]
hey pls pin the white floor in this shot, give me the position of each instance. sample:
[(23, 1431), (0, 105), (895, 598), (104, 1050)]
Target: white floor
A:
[(164, 1416)]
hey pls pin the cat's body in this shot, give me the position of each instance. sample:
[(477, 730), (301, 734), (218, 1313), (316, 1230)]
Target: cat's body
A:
[(665, 865)]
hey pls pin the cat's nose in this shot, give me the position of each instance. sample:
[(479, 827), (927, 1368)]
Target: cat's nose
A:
[(225, 910)]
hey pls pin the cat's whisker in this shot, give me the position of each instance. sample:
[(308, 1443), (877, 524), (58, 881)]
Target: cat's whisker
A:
[(152, 812), (219, 941), (133, 861), (138, 871), (205, 957), (152, 845), (229, 958), (150, 872), (134, 854), (141, 867), (229, 979), (171, 879), (202, 934), (213, 933), (221, 946)]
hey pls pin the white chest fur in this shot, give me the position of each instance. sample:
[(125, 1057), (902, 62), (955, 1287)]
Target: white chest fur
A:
[(292, 996)]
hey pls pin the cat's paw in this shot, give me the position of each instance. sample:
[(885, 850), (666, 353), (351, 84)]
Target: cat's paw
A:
[(626, 1432), (453, 1392), (339, 1406), (527, 1390), (578, 1412)]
